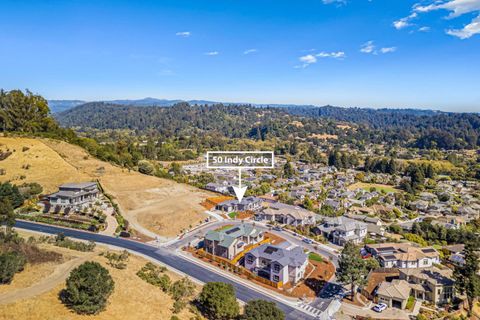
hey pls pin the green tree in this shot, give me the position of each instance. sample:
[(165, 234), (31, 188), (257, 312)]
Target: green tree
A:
[(218, 301), (262, 310), (467, 280), (7, 216), (12, 193), (24, 112), (288, 170), (88, 288), (351, 267), (10, 263)]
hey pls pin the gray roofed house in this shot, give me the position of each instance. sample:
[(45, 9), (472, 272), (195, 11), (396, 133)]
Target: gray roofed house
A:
[(247, 203), (277, 263), (340, 230), (229, 242), (287, 214), (74, 195)]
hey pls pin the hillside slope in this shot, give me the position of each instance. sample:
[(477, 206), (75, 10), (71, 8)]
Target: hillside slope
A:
[(149, 203)]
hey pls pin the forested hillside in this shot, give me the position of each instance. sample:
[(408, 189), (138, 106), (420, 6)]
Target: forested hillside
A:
[(413, 128)]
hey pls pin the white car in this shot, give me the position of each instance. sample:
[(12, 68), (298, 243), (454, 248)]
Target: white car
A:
[(379, 307)]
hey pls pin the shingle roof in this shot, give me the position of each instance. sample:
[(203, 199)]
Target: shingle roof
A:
[(396, 289), (227, 236), (284, 256)]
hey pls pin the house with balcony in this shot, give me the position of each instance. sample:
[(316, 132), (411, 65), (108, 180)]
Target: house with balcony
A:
[(403, 255), (281, 264), (228, 243), (431, 284), (340, 230), (74, 196)]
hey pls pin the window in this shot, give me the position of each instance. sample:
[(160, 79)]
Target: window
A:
[(249, 259), (276, 268), (276, 278)]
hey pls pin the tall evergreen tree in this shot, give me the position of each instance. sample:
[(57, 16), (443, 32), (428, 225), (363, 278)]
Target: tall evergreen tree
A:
[(467, 280), (352, 269)]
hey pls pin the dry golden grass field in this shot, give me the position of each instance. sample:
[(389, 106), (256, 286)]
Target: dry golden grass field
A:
[(158, 205), (132, 297)]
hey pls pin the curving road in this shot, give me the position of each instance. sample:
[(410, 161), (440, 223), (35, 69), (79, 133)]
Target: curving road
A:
[(164, 256)]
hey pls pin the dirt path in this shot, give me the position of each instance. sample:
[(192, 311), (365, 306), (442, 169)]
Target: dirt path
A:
[(48, 283)]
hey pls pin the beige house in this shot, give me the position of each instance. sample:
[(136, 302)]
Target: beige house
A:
[(432, 284), (229, 242), (394, 294), (287, 214)]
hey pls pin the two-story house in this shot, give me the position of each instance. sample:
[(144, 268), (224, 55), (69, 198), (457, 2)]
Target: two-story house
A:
[(74, 195), (431, 284), (281, 264), (287, 214), (403, 255), (340, 230), (247, 203), (229, 242)]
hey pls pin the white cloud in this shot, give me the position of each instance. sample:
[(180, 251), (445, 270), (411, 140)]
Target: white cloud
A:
[(467, 31), (184, 34), (457, 8), (388, 49), (368, 47), (249, 51), (338, 2), (404, 22), (424, 29), (212, 53), (306, 61), (335, 55)]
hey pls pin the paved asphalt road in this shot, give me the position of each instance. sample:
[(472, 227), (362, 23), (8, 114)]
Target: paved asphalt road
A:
[(166, 257)]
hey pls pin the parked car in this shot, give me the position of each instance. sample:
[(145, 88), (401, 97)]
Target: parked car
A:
[(379, 307), (277, 228), (306, 240)]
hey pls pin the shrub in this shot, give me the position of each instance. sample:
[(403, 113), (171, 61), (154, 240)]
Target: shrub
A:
[(10, 263), (117, 260), (145, 167), (151, 274), (88, 288), (181, 291)]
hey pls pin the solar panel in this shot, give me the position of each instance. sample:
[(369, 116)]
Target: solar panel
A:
[(428, 250), (390, 257), (232, 230)]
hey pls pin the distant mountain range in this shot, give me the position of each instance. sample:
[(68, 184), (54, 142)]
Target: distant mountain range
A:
[(57, 106)]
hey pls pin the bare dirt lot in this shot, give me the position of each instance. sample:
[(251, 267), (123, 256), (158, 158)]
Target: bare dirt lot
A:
[(150, 204), (132, 298)]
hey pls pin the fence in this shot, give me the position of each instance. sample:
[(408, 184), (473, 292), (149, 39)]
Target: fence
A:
[(229, 265)]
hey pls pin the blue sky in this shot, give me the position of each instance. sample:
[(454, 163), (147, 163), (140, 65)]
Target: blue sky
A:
[(377, 53)]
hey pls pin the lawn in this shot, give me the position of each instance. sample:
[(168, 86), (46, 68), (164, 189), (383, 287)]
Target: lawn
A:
[(378, 187), (233, 215), (315, 257)]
